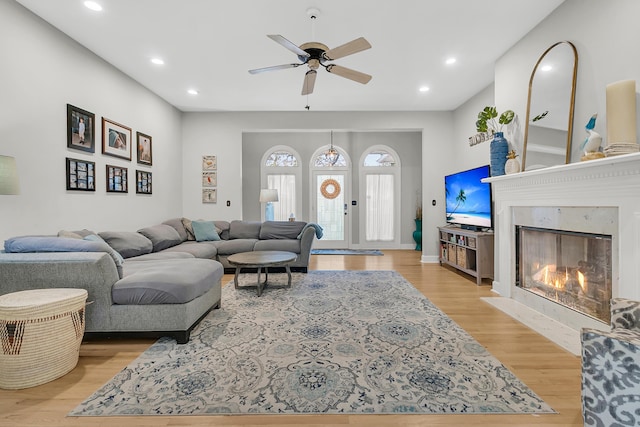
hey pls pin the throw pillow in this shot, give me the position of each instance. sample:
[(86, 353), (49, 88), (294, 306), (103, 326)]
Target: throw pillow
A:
[(204, 231), (162, 236), (188, 228), (128, 243)]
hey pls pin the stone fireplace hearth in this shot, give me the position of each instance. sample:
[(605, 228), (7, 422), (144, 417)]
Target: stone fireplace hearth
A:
[(600, 197)]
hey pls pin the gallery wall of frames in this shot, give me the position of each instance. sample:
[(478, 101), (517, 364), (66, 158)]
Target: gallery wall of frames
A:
[(118, 142)]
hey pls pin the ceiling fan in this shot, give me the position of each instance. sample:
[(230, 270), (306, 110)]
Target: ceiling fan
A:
[(315, 54)]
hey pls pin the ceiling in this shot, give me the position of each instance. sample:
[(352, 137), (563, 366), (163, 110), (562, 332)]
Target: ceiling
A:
[(209, 46)]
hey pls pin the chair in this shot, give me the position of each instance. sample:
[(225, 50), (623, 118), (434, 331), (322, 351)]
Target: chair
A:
[(611, 369)]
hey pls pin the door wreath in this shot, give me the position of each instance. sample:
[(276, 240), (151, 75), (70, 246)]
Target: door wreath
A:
[(330, 188)]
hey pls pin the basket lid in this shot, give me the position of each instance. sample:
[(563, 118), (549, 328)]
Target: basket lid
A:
[(40, 297)]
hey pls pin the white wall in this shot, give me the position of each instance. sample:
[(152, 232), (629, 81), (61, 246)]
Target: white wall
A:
[(221, 134), (42, 71), (464, 126), (605, 34)]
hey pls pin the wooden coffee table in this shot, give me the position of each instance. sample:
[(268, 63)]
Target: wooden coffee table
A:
[(260, 260)]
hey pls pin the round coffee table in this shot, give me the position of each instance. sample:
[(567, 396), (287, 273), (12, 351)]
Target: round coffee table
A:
[(260, 260)]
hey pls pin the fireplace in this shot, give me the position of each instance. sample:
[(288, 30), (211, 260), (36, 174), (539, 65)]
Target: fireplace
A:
[(570, 268), (597, 197)]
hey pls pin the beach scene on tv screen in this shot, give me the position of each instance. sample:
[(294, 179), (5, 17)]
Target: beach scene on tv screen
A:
[(468, 200)]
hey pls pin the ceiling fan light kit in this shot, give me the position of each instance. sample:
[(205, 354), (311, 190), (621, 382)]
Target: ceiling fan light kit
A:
[(315, 54)]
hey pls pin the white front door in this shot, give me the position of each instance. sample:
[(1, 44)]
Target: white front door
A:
[(330, 208)]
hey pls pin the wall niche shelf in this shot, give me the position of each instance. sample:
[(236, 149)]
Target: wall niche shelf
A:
[(468, 251)]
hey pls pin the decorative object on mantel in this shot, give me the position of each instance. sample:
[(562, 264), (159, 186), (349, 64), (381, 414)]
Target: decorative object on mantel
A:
[(480, 137), (591, 144), (512, 165), (621, 118), (499, 145)]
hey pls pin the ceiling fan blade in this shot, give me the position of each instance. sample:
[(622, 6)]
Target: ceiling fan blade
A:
[(348, 73), (350, 48), (273, 68), (289, 45), (309, 82)]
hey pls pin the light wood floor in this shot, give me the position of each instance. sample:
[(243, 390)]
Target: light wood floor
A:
[(551, 372)]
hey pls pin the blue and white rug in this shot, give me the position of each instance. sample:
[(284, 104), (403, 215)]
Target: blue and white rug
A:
[(354, 342)]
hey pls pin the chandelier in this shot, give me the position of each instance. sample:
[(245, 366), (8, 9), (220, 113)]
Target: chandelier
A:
[(332, 154)]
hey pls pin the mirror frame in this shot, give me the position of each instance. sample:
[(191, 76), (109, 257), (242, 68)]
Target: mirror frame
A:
[(571, 102)]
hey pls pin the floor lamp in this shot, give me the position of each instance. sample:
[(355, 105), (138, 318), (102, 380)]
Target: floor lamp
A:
[(8, 176), (268, 196)]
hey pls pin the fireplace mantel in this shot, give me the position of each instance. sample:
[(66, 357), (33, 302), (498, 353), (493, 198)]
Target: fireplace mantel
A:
[(611, 182)]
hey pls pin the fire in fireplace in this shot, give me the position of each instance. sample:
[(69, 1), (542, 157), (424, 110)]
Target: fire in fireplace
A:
[(570, 268)]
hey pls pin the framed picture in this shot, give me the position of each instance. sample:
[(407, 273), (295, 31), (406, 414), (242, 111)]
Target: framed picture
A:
[(209, 195), (116, 139), (144, 149), (81, 129), (143, 182), (81, 175), (117, 179), (209, 163), (209, 179)]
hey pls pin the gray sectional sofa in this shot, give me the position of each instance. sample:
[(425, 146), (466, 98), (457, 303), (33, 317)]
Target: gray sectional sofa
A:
[(160, 280)]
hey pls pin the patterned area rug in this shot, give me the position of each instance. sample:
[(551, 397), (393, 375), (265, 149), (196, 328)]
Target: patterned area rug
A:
[(346, 252), (336, 342)]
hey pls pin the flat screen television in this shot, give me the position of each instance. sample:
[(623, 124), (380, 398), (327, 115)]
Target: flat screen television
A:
[(468, 199)]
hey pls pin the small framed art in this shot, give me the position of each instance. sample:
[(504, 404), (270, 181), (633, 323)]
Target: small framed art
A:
[(209, 195), (81, 129), (143, 143), (81, 175), (209, 179), (116, 139), (209, 163), (143, 182), (117, 179)]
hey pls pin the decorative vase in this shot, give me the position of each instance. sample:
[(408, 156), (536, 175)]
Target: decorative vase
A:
[(512, 165), (499, 151), (417, 235)]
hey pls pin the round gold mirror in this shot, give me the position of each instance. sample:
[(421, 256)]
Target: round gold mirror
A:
[(549, 125)]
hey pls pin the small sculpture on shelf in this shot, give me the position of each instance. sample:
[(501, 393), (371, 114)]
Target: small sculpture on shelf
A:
[(591, 144), (512, 165)]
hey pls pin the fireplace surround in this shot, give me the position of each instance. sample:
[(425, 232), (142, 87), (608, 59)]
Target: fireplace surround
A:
[(598, 196)]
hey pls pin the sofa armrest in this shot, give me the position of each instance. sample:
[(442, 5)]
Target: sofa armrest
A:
[(94, 271), (306, 242)]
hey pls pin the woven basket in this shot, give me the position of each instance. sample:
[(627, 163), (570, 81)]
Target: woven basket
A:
[(40, 335)]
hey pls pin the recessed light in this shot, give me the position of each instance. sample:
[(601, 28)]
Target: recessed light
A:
[(93, 6), (424, 89), (450, 61), (546, 68), (157, 61), (192, 92)]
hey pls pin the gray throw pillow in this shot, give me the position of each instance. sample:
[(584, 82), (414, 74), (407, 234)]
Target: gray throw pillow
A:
[(244, 229), (127, 243), (162, 236), (281, 229), (179, 227)]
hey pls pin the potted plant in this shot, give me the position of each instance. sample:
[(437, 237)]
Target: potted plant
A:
[(417, 235), (490, 120)]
